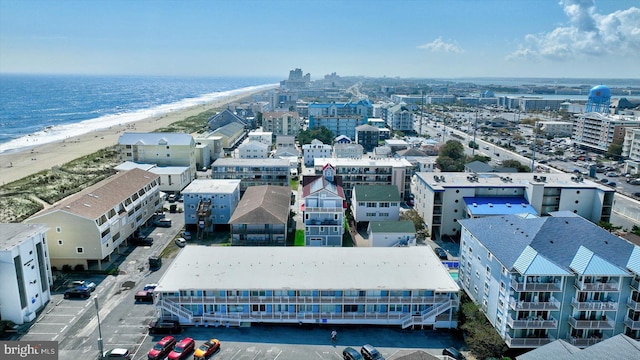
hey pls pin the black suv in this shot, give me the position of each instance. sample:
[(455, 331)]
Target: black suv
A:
[(142, 241), (441, 253), (79, 292)]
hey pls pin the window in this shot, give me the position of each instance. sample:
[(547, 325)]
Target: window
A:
[(475, 290), (260, 307), (79, 250), (488, 270), (371, 204), (477, 274)]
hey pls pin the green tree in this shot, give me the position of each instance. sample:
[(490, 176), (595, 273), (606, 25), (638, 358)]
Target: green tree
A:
[(483, 340), (452, 149), (481, 158), (615, 150), (635, 230), (322, 133), (473, 145), (515, 164), (608, 226), (421, 231)]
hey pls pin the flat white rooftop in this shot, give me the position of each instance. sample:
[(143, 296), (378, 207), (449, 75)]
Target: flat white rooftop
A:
[(306, 268), (212, 186), (361, 162)]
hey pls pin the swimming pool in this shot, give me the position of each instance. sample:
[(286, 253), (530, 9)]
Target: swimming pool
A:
[(454, 275)]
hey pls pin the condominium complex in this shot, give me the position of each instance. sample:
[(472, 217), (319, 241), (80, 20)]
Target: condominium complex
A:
[(367, 171), (162, 149), (401, 286), (398, 117), (281, 123), (595, 131), (442, 199), (85, 229), (556, 128), (555, 277), (631, 150), (252, 172), (25, 271), (340, 118), (209, 202)]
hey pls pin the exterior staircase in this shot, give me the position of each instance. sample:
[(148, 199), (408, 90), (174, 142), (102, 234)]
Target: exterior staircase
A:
[(175, 309), (427, 316)]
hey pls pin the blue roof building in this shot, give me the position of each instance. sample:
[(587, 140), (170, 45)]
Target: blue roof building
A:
[(540, 279)]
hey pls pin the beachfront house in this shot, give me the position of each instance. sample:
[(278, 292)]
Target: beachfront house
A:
[(236, 286), (262, 217), (162, 149), (25, 271), (86, 229)]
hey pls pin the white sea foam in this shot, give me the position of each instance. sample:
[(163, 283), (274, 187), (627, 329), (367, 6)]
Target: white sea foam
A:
[(69, 131)]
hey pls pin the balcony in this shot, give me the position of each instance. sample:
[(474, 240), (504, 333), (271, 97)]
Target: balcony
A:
[(591, 324), (532, 323), (632, 324), (634, 305), (594, 305), (535, 286), (582, 342), (552, 304), (597, 286), (635, 283), (527, 342)]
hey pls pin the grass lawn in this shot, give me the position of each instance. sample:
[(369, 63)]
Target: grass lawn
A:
[(299, 240)]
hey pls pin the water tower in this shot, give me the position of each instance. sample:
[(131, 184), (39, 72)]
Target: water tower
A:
[(599, 99)]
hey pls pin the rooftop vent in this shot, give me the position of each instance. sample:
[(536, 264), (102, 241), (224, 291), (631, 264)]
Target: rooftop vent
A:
[(543, 178), (436, 178)]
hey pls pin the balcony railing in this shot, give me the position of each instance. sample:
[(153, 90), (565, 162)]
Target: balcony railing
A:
[(418, 300), (337, 210), (527, 342), (594, 305), (634, 305), (590, 324), (635, 283), (534, 286), (582, 342), (533, 323), (633, 325), (597, 286), (552, 304)]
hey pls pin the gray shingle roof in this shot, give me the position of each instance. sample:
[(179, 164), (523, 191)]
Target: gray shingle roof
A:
[(392, 227), (557, 237), (619, 347), (264, 204)]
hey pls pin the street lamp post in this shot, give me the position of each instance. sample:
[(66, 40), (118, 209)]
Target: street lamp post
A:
[(475, 128), (535, 143), (100, 344)]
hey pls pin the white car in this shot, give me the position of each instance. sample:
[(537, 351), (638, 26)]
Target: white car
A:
[(181, 242)]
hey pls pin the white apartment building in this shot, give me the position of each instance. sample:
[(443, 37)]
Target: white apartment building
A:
[(265, 137), (595, 131), (401, 286), (281, 123), (317, 149), (25, 271), (352, 151), (556, 128), (163, 149), (538, 280), (631, 150), (87, 227), (209, 202), (442, 199), (172, 178), (252, 172), (323, 210), (399, 118), (367, 171), (253, 149), (375, 203)]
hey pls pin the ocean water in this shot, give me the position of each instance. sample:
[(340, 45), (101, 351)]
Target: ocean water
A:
[(38, 109)]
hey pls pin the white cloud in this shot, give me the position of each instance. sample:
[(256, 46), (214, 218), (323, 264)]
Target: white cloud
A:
[(438, 45), (588, 34)]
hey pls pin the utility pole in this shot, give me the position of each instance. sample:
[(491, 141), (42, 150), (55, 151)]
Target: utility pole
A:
[(535, 143), (475, 128), (100, 343)]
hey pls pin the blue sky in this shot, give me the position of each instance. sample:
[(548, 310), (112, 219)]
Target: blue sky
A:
[(403, 38)]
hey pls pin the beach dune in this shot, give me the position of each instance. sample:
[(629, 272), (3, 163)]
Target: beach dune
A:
[(20, 164)]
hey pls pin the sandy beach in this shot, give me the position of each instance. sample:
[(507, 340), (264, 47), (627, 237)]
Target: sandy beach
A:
[(17, 165)]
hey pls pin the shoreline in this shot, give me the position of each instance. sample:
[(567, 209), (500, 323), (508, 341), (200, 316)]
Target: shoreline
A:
[(16, 165)]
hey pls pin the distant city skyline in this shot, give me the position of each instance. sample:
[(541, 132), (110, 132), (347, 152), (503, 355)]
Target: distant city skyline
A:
[(419, 39)]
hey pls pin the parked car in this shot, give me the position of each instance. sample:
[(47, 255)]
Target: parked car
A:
[(370, 353), (454, 353), (162, 348), (634, 182), (181, 242), (142, 241), (186, 235), (82, 283), (79, 292), (164, 327), (155, 263), (182, 349), (117, 353), (350, 353), (144, 296), (636, 194), (207, 349), (163, 223), (604, 180), (441, 253), (612, 184), (611, 174), (171, 198), (150, 287)]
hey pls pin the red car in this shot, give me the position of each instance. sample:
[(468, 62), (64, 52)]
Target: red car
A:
[(162, 348), (182, 349), (207, 349)]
